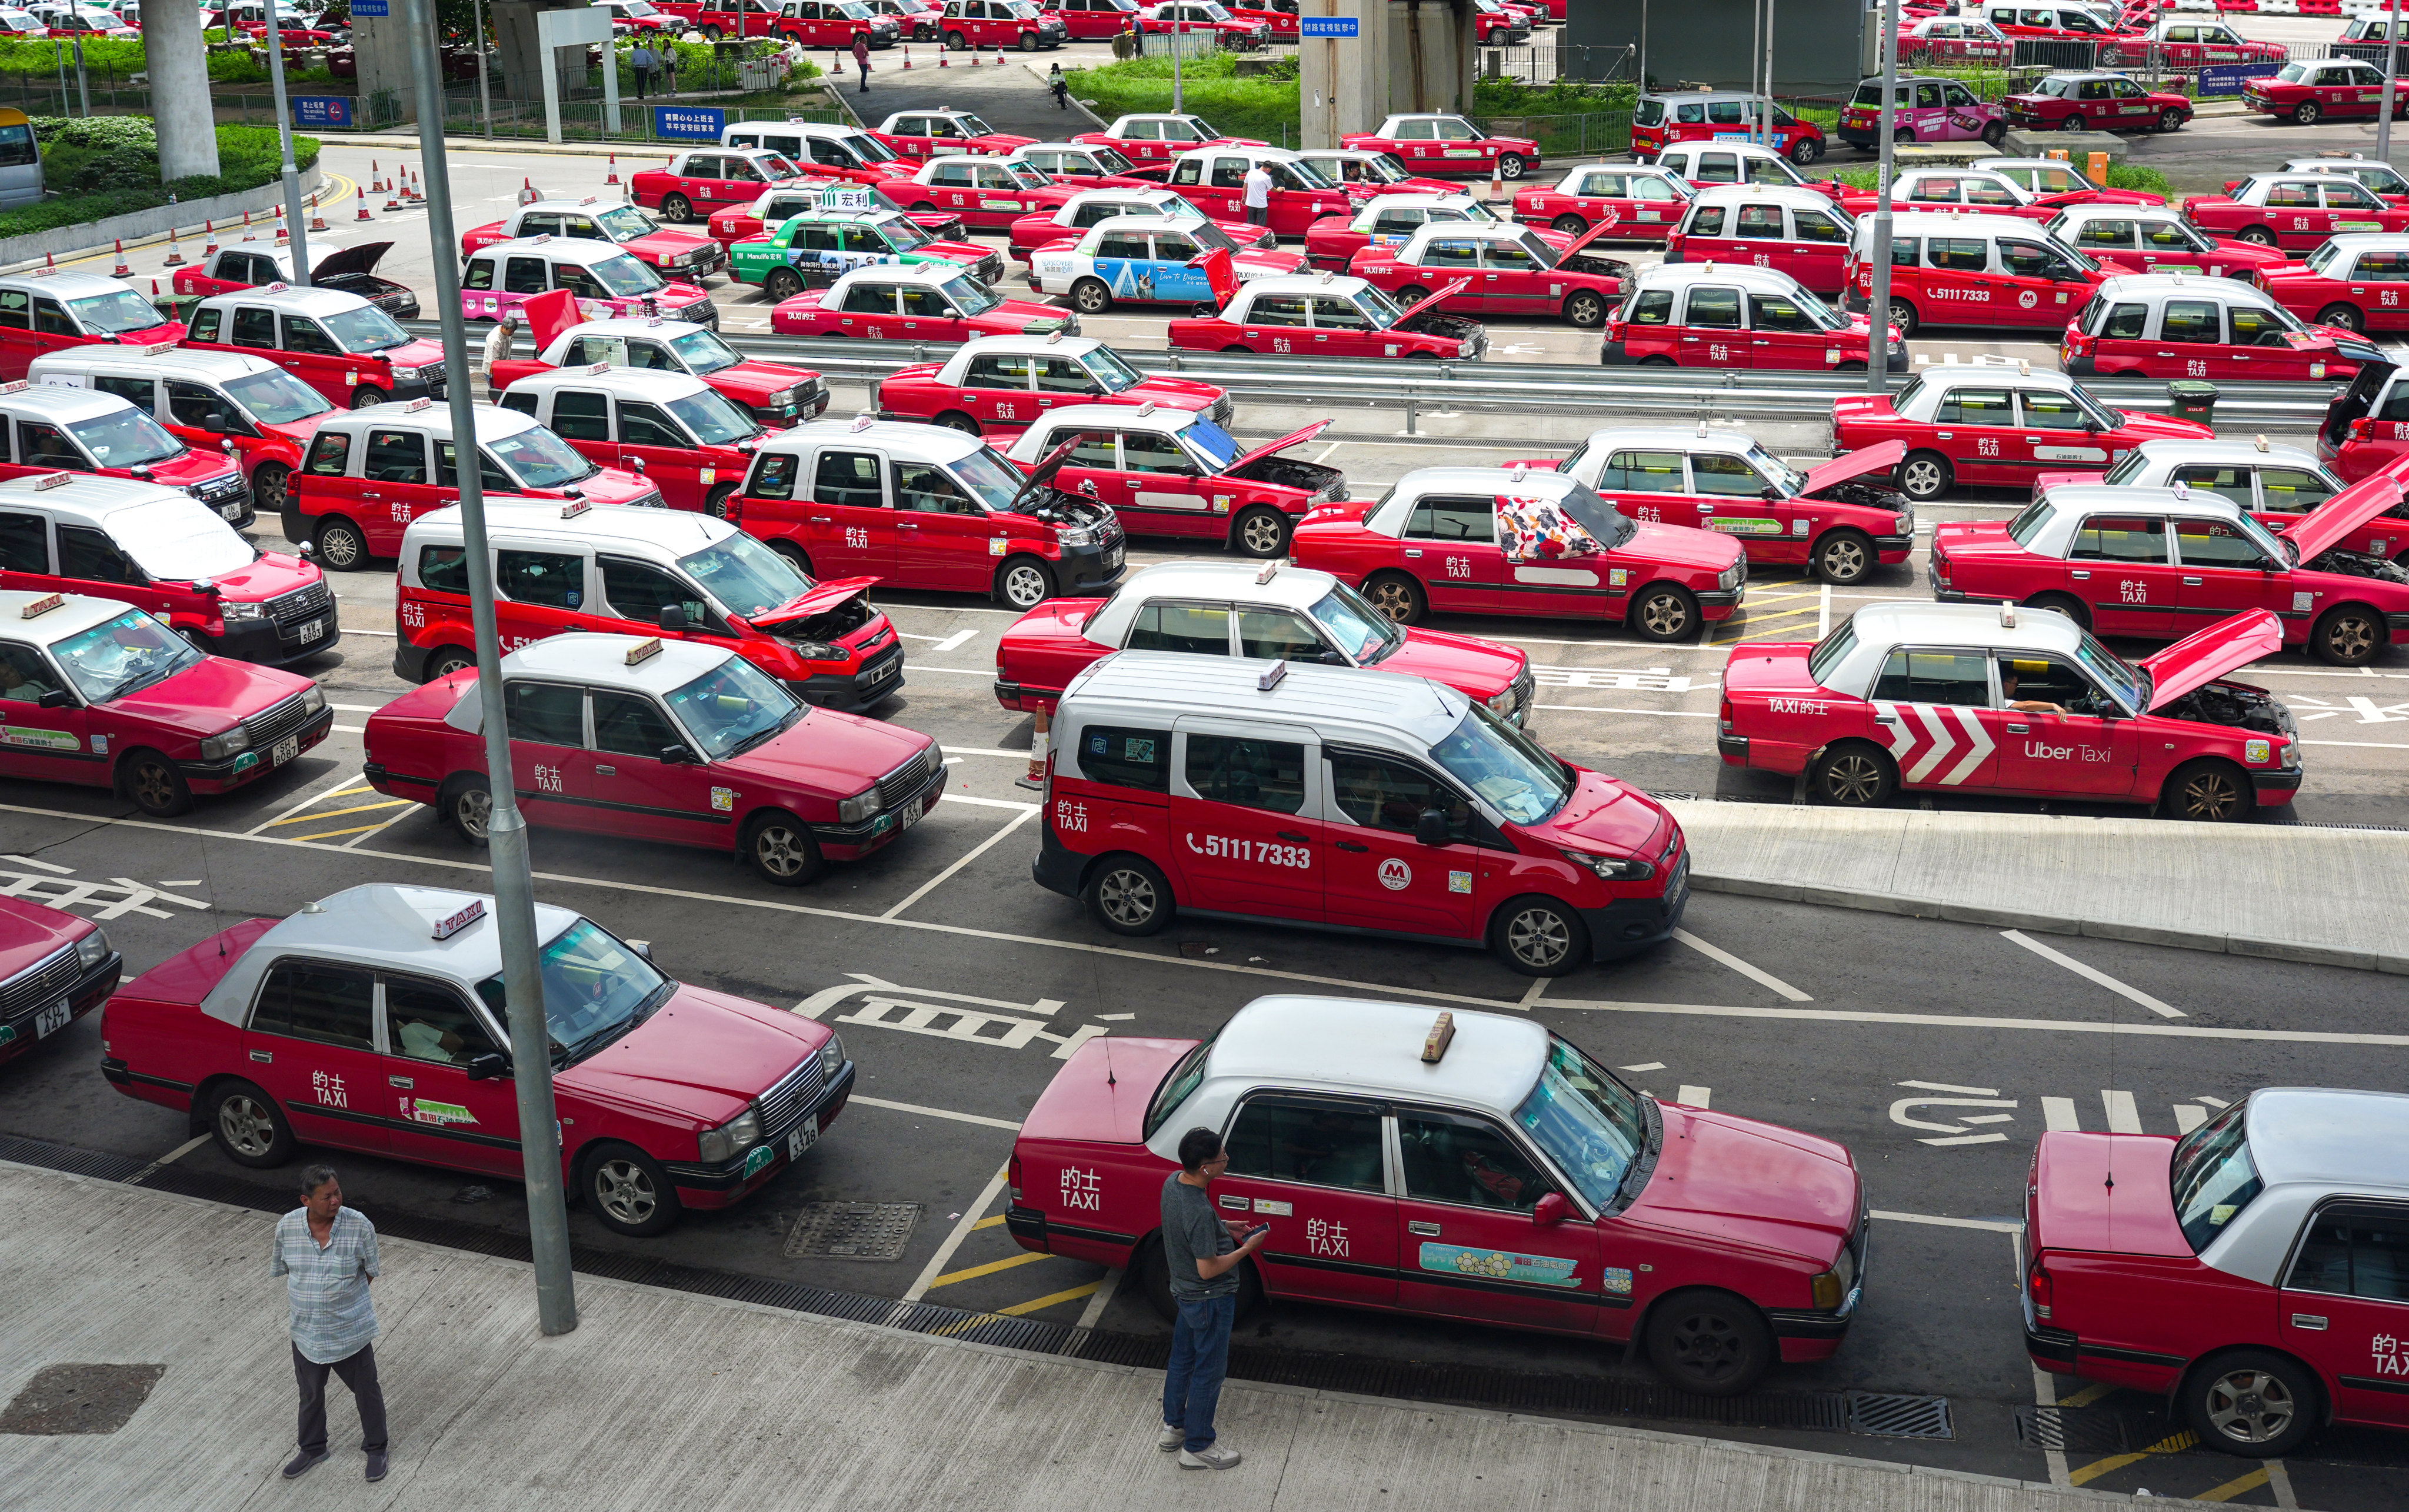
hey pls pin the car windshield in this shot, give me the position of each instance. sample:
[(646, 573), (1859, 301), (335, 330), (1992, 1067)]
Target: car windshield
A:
[(1210, 441), (1109, 161), (1782, 474), (637, 7), (1381, 168), (871, 148), (595, 989), (2129, 467), (779, 165), (733, 708), (127, 438), (174, 540), (370, 330), (2320, 259), (1588, 1124), (126, 653), (1505, 767), (1024, 176), (1107, 367), (537, 459), (2214, 1176), (1362, 631), (903, 235), (703, 352), (2291, 73), (747, 577), (276, 397), (971, 296), (624, 277), (1832, 650), (2126, 680), (2053, 87), (1206, 234), (990, 480), (1376, 304), (625, 222), (119, 312), (710, 418)]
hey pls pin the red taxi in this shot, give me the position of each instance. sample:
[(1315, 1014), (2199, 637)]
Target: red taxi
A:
[(2383, 178), (1092, 21), (1175, 472), (988, 194), (1245, 33), (2277, 484), (1704, 163), (674, 429), (2167, 325), (1705, 315), (2180, 557), (1000, 384), (2186, 44), (922, 134), (1796, 233), (2249, 1272), (669, 1096), (819, 150), (697, 183), (1979, 698), (2308, 92), (42, 311), (1156, 139), (1500, 541), (260, 414), (777, 393), (2096, 102), (1988, 193), (1089, 206), (1391, 220), (1448, 147), (2366, 426), (2157, 239), (1995, 428), (54, 969), (2357, 281), (62, 426), (1368, 175), (1282, 613), (1937, 38), (2295, 211), (1331, 316), (1214, 178), (351, 270), (337, 343), (672, 253), (1989, 270), (1721, 116), (1080, 164), (834, 23), (1530, 1188), (778, 206), (914, 302), (1643, 203), (1002, 23), (102, 695), (2043, 176), (1504, 270)]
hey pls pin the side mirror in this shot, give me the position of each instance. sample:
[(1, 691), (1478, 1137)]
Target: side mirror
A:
[(307, 548), (673, 617), (484, 1068), (1431, 829), (636, 464), (1551, 1210), (1770, 494), (641, 947), (677, 755), (58, 699), (214, 424)]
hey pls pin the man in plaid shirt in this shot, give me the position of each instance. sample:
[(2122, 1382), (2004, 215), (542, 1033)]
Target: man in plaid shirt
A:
[(327, 1255)]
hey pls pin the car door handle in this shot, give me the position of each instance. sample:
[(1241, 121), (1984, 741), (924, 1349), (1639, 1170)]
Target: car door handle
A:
[(2083, 576), (2310, 1322), (364, 494), (1885, 719), (905, 525), (1427, 1230), (1349, 845), (1237, 1203), (606, 772), (1415, 552), (1291, 834), (2191, 583), (2019, 729), (1760, 343), (820, 519), (399, 1081), (265, 1057)]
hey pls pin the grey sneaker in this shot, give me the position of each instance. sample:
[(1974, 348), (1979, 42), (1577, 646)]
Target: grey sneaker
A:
[(376, 1464), (1172, 1438), (301, 1463), (1211, 1457)]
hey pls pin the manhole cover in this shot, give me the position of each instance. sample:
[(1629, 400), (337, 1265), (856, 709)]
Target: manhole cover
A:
[(1899, 1414), (81, 1398), (853, 1230)]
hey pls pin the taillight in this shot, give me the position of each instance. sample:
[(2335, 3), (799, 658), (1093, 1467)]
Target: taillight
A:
[(1723, 717), (2037, 1282), (1012, 1182), (2361, 428), (1045, 794)]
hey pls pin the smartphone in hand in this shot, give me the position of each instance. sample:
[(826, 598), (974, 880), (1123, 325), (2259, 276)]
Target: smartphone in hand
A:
[(1258, 1230)]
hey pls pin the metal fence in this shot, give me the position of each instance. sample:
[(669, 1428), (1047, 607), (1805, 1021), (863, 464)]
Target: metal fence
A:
[(1544, 62), (1595, 134)]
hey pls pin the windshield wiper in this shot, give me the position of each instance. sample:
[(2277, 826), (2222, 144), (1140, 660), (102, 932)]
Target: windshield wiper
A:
[(754, 739), (601, 1036)]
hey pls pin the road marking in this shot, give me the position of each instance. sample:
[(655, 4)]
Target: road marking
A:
[(378, 830), (2090, 1395), (1945, 1086), (2188, 1116), (2232, 1488), (1762, 978), (987, 1223), (1026, 809), (1647, 1065), (973, 1272), (2044, 1389), (169, 1158), (1824, 615), (1327, 450), (1608, 709), (2281, 1479), (1988, 1225), (974, 853), (1093, 1313), (2058, 1116), (337, 813), (361, 830), (1038, 1304), (1694, 1097), (2122, 1116), (934, 1113), (2093, 973), (339, 790), (2173, 1444), (936, 1266)]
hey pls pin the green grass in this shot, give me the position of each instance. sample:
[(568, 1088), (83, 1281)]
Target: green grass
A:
[(1265, 108)]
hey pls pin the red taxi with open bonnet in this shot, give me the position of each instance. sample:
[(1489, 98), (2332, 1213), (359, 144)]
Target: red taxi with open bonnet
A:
[(2366, 426), (2276, 484), (1332, 316), (54, 969), (1982, 698), (374, 1020), (1173, 473), (1465, 1166), (1644, 202), (777, 393), (2156, 239), (1001, 384), (1996, 427), (1506, 269)]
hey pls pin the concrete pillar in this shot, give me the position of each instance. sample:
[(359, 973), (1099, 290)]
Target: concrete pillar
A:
[(523, 55), (1343, 82), (388, 81), (179, 93)]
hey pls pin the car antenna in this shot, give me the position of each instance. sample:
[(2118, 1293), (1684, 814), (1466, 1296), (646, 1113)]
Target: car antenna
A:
[(1109, 1080)]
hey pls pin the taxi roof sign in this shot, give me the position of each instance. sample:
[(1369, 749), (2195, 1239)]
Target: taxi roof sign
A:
[(19, 386), (1271, 569), (446, 927), (599, 367), (415, 405), (51, 480), (587, 200), (1441, 1035), (574, 507), (276, 288), (43, 606), (637, 654), (157, 347), (2007, 615), (1273, 676)]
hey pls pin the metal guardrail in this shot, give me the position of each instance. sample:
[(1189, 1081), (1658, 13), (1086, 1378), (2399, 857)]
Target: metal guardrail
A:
[(1554, 388)]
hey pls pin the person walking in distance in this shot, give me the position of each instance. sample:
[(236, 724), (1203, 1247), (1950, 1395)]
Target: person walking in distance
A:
[(1203, 1254), (861, 58), (327, 1255), (669, 62), (1061, 86), (1258, 195), (640, 63)]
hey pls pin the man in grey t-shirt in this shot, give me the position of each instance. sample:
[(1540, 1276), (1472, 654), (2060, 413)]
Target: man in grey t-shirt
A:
[(1203, 1253)]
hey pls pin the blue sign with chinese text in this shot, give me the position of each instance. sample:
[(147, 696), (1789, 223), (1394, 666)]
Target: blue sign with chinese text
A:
[(688, 123), (371, 7), (322, 110), (1327, 27), (2226, 77)]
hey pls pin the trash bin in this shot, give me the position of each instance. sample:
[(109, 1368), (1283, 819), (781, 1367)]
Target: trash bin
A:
[(2193, 399)]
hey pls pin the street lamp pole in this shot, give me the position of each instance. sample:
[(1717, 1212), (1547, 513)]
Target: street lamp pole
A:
[(1878, 248), (507, 834), (293, 217), (484, 92), (1178, 37), (2392, 67)]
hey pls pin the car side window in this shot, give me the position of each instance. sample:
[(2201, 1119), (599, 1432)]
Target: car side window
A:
[(1759, 223), (329, 453), (1641, 472), (1716, 309), (25, 676), (1382, 793), (1814, 225), (773, 477), (994, 370), (1065, 375), (1968, 255), (1251, 773), (46, 446), (2293, 196), (639, 591), (1455, 1157), (1651, 306), (849, 480), (525, 275), (141, 393), (1960, 677), (254, 328), (328, 1005), (395, 456), (581, 416), (2233, 482), (1778, 312), (50, 318), (1199, 630), (93, 557), (304, 335), (2191, 319), (1125, 757), (1707, 220), (1143, 451), (430, 1021), (648, 424), (24, 544), (444, 569), (548, 714), (2211, 543), (1975, 407), (2117, 234), (1723, 476), (480, 275), (1278, 635), (2120, 537), (2048, 410), (2126, 322), (2354, 1250), (631, 725), (1461, 521), (554, 581), (1321, 1143), (2291, 491)]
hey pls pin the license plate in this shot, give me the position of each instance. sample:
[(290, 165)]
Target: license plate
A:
[(313, 631), (805, 1135), (880, 674), (1113, 557), (58, 1016), (231, 512), (284, 750), (912, 813)]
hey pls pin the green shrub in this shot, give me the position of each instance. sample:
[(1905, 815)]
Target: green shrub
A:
[(1265, 108), (108, 165)]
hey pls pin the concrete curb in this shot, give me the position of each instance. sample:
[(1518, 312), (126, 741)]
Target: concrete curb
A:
[(32, 249), (410, 143), (2002, 919)]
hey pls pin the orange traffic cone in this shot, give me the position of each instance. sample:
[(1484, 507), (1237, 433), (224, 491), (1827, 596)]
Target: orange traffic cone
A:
[(317, 216), (121, 270), (942, 62), (1036, 776), (975, 57), (410, 188), (363, 214), (175, 257), (283, 232), (907, 57), (372, 186), (1496, 183), (248, 235), (615, 171), (209, 238)]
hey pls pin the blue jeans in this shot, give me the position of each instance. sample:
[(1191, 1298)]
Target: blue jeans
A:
[(1200, 1357)]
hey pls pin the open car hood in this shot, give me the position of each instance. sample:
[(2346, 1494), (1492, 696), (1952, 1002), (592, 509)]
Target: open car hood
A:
[(817, 599), (2200, 658), (550, 313), (2333, 520), (1298, 437), (1436, 295), (1610, 220), (1041, 475), (349, 261), (1880, 457)]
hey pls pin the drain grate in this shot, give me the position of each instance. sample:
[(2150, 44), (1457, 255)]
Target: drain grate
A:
[(80, 1399), (2102, 1430), (853, 1230), (1672, 794), (54, 1157), (1899, 1415)]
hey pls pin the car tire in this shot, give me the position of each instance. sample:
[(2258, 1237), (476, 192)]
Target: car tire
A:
[(1903, 315), (1853, 774), (1024, 582), (2207, 792), (1996, 133), (249, 1128), (1925, 476), (1089, 296), (715, 503), (627, 1191), (1260, 532), (782, 284), (794, 555), (268, 487), (1901, 137), (1028, 42), (1806, 152), (1510, 167), (780, 848), (1845, 556), (342, 546), (677, 209), (366, 396), (1665, 613), (2066, 604), (2348, 317), (2306, 113), (2171, 120), (2253, 1402), (466, 803), (1848, 368), (1129, 896), (955, 42), (2259, 235), (2349, 635), (957, 419), (1539, 937), (1659, 360), (1397, 596), (1411, 294), (1585, 308), (1708, 1343), (924, 207), (155, 785), (447, 660), (1571, 226), (710, 33)]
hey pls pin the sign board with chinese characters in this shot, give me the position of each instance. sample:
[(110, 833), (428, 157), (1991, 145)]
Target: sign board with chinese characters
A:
[(371, 7), (1328, 26), (2226, 77), (688, 123), (323, 109)]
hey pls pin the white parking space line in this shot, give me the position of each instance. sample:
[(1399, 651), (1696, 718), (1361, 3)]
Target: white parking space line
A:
[(1990, 1225), (1762, 978), (1608, 709), (1026, 809), (380, 828), (1824, 615), (926, 1113), (169, 1158), (1694, 1097), (2058, 1115), (970, 1215), (974, 853), (2093, 973), (1094, 1312), (2122, 1116), (2188, 1116)]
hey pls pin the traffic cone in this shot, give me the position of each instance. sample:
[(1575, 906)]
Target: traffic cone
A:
[(283, 232), (248, 234), (209, 238), (410, 191), (363, 215), (175, 257), (975, 57), (615, 171), (1496, 183), (121, 270), (527, 192), (154, 291), (373, 187), (942, 62), (392, 200), (907, 59), (49, 262), (1036, 777), (317, 216)]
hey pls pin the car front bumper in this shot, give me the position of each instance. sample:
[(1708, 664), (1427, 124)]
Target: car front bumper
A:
[(724, 1184), (88, 991), (270, 644), (879, 677), (1630, 925)]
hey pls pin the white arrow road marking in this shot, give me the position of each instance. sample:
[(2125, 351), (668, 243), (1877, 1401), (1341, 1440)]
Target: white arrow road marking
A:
[(1982, 747), (1942, 741), (1953, 1133), (2371, 714)]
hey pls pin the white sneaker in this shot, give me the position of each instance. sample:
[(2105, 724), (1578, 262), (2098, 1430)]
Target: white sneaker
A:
[(1211, 1457), (1172, 1438)]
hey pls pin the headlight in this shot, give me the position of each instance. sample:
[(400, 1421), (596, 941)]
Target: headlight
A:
[(1503, 703), (831, 1056), (91, 949), (2289, 758), (731, 1138), (234, 610), (860, 806), (1730, 578), (1904, 526), (1464, 349), (1612, 868), (1828, 1292), (816, 651), (233, 742), (787, 400), (1074, 535)]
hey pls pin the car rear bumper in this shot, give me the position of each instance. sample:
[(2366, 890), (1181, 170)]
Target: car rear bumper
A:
[(1732, 748), (1057, 868)]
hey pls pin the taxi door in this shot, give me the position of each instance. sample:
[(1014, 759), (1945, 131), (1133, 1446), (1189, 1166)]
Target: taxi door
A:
[(1312, 1167), (55, 329), (540, 594), (2342, 1308), (1975, 428), (943, 539), (1729, 496), (394, 485), (1467, 1245), (2351, 207), (311, 1044), (2055, 435), (16, 349), (848, 529), (1928, 709), (2293, 213), (2035, 286), (996, 389), (1214, 183), (1648, 485), (928, 315), (437, 1113), (1381, 876), (633, 791), (581, 417), (1816, 252), (1242, 837), (1513, 282), (47, 744), (1163, 492), (2056, 751), (1712, 333), (1450, 543), (549, 769), (2118, 566), (648, 436), (1783, 336), (2223, 572)]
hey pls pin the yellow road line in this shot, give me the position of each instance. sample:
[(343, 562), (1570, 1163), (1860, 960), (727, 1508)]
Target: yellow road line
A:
[(987, 1223), (1784, 598), (2090, 1395), (333, 813), (2232, 1488), (1022, 1309), (2174, 1443), (988, 1269), (329, 834)]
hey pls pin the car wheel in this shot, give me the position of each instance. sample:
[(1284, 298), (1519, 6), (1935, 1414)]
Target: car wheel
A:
[(1128, 895), (1902, 314), (715, 503), (1585, 308), (2253, 1404), (1852, 775), (1659, 360), (1509, 167), (2349, 636), (249, 1127), (1089, 296), (2305, 113), (340, 545), (467, 804), (155, 785), (2347, 317), (1154, 1276), (2209, 792), (956, 420), (1996, 133), (1845, 556), (955, 42), (1411, 294), (1249, 349), (677, 209), (2259, 235), (1806, 152), (1024, 582), (2069, 607), (1261, 531), (2110, 57), (1710, 1343), (782, 284), (710, 33), (2172, 121), (1571, 226), (629, 1192), (1028, 42), (1398, 597), (268, 490), (366, 396), (780, 848), (1925, 476), (448, 661), (1539, 937), (1901, 136), (1667, 612), (794, 555)]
